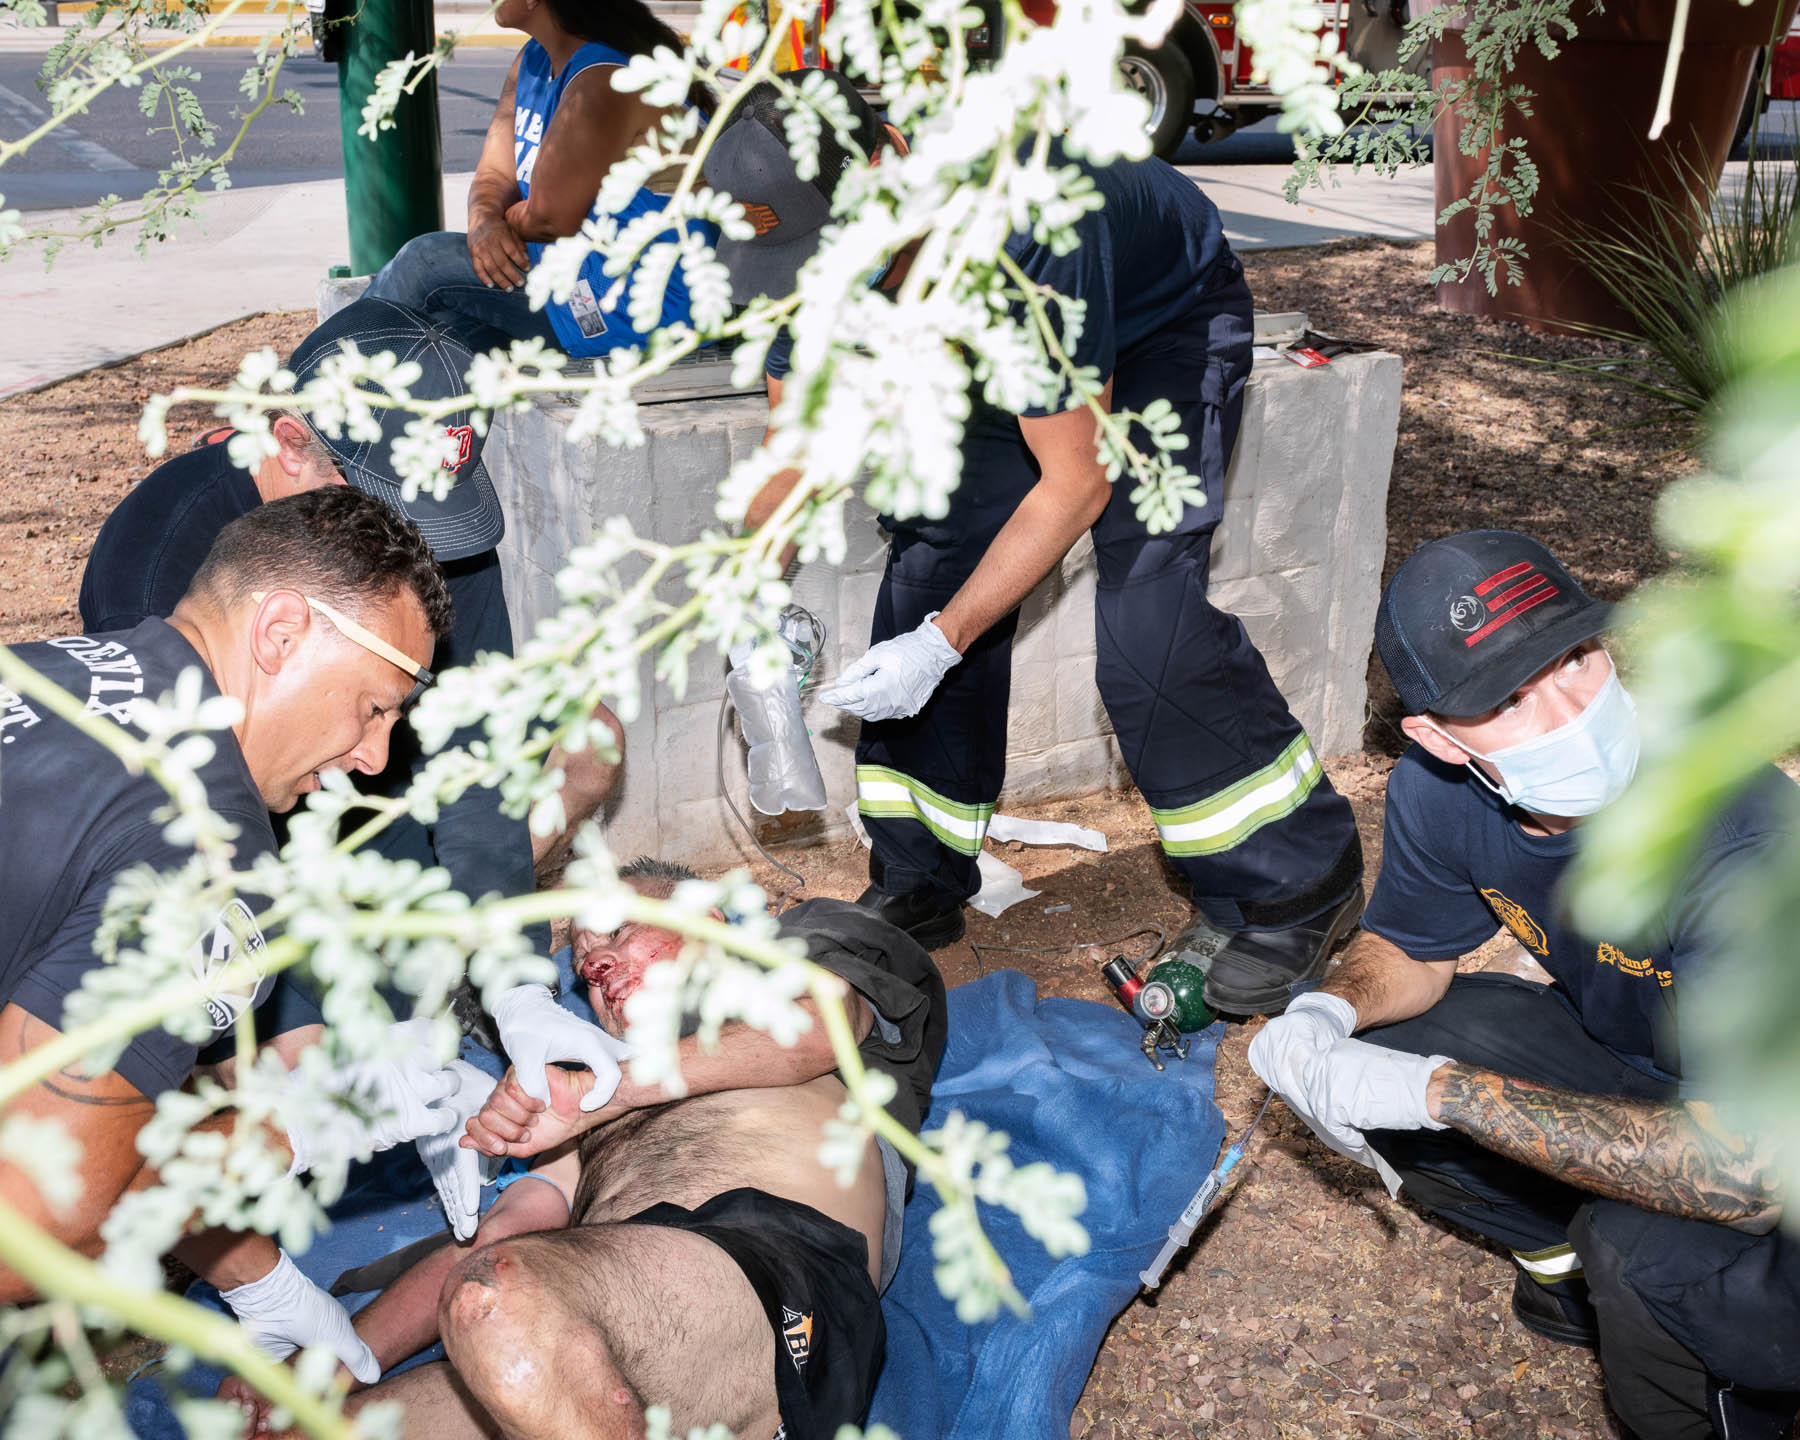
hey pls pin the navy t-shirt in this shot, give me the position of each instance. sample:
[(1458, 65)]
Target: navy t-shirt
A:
[(1456, 864), (150, 547), (72, 819), (1152, 266), (146, 554), (1147, 261)]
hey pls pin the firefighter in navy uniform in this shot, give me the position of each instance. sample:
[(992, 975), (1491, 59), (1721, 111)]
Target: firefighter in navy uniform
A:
[(1241, 804), (1565, 1121)]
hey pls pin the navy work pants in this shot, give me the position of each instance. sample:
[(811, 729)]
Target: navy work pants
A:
[(1694, 1318), (1240, 802)]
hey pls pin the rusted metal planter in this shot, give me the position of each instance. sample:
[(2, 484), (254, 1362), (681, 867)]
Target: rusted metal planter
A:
[(1589, 137)]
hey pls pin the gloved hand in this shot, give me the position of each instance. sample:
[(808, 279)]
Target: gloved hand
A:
[(456, 1172), (536, 1030), (1309, 1027), (1359, 1086), (394, 1100), (284, 1312), (895, 678)]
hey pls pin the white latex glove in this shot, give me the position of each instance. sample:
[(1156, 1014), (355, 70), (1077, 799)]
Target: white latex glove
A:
[(284, 1312), (1289, 1043), (536, 1030), (1359, 1086), (394, 1101), (455, 1171), (895, 678)]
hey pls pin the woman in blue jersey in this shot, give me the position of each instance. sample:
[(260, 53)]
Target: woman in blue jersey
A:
[(559, 127)]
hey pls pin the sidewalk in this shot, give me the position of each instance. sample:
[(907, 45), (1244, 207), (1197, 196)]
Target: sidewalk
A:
[(259, 18), (267, 249)]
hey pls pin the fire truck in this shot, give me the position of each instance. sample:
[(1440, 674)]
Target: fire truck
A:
[(1198, 80), (1783, 82)]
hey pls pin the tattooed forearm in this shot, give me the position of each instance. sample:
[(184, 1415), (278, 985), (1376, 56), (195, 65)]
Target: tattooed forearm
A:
[(1667, 1156)]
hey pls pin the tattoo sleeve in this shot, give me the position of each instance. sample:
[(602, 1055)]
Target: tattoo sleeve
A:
[(1669, 1156)]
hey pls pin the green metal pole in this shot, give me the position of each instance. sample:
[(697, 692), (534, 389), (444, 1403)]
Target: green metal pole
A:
[(393, 186)]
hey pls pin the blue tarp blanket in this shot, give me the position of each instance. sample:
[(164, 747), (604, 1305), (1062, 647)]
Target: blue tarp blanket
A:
[(1064, 1079)]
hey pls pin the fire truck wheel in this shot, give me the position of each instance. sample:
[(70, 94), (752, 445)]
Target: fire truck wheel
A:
[(1166, 81)]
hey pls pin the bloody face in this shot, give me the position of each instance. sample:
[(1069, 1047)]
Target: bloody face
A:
[(613, 966)]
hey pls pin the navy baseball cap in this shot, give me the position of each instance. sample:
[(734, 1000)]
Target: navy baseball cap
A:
[(1469, 619), (468, 520), (750, 161)]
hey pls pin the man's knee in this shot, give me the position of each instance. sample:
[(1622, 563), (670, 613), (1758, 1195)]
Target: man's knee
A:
[(417, 267), (527, 1355)]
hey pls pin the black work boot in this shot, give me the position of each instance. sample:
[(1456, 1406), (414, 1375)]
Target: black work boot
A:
[(1559, 1311), (921, 914), (1250, 972)]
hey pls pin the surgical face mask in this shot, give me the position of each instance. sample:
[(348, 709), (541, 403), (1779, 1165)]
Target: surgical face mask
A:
[(1574, 769)]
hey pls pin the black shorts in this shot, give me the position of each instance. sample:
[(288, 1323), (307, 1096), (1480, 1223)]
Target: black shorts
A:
[(812, 1276)]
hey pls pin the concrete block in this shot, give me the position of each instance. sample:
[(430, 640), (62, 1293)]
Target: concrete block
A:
[(1080, 711), (1032, 716), (1233, 546), (1287, 617), (1358, 547), (688, 458), (1297, 556), (704, 830), (1036, 639), (856, 606), (1076, 767), (1028, 779), (335, 292), (1075, 609), (687, 752)]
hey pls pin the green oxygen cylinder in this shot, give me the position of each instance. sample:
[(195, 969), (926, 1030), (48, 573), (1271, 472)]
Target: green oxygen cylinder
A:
[(1172, 992)]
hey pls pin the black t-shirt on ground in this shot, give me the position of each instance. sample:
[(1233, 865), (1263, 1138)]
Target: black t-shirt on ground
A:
[(72, 819), (150, 547)]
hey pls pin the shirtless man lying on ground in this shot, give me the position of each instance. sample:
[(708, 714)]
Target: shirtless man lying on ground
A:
[(694, 1253)]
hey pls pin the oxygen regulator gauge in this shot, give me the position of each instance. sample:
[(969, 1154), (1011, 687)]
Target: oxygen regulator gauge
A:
[(1167, 1003)]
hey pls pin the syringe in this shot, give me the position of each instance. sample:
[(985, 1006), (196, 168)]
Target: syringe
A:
[(1183, 1229)]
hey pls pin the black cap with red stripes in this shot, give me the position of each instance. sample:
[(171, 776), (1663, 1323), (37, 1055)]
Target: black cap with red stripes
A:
[(1469, 619)]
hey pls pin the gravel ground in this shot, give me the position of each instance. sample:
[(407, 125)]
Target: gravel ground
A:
[(1313, 1305)]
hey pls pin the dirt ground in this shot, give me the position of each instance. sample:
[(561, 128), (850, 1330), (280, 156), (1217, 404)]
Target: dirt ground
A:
[(1313, 1305)]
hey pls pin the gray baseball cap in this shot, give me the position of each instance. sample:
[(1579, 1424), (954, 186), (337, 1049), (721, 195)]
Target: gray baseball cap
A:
[(468, 520), (750, 160)]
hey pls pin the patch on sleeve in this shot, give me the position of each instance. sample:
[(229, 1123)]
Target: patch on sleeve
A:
[(234, 934)]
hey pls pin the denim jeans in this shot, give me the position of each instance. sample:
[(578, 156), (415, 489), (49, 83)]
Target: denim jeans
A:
[(434, 275)]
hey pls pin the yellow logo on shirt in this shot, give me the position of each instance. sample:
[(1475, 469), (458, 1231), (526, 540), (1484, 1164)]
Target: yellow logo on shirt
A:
[(1516, 918), (1644, 969)]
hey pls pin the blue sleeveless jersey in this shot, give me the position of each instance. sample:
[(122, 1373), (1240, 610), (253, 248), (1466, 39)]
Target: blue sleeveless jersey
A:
[(581, 326)]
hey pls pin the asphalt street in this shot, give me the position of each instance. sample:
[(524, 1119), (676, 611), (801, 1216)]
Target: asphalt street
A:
[(114, 149)]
